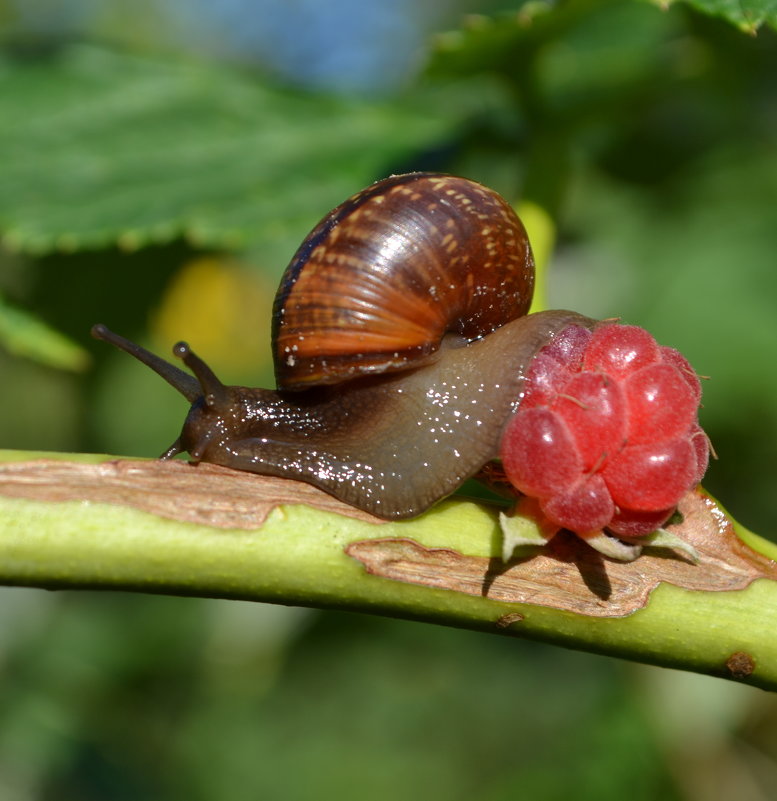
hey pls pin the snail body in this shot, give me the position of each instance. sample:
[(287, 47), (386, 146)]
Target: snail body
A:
[(401, 345)]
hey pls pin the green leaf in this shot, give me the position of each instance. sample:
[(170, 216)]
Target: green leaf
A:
[(506, 42), (747, 15), (103, 148), (490, 42), (23, 334)]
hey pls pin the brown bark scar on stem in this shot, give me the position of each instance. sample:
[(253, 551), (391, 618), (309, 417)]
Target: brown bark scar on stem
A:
[(740, 665), (205, 493), (507, 620), (570, 576)]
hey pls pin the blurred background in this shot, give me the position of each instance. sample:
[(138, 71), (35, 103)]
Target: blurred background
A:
[(161, 161)]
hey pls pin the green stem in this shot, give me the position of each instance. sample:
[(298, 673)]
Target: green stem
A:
[(298, 557)]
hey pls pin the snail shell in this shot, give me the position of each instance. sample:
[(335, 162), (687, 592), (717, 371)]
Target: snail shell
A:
[(382, 278)]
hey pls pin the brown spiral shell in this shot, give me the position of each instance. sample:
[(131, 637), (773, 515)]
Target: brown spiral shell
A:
[(383, 277)]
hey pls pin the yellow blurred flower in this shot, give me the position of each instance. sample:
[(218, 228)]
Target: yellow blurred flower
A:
[(222, 308)]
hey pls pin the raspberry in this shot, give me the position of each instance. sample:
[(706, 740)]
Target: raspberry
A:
[(661, 404), (593, 406), (545, 379), (683, 366), (606, 434), (586, 507), (569, 346), (539, 454), (652, 476), (630, 523), (701, 446), (620, 349)]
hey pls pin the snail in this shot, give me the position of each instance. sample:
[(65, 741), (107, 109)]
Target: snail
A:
[(401, 340)]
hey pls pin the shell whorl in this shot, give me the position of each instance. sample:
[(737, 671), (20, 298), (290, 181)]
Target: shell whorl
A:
[(383, 277)]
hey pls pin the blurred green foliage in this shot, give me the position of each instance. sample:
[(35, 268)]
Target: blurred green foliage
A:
[(648, 135)]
